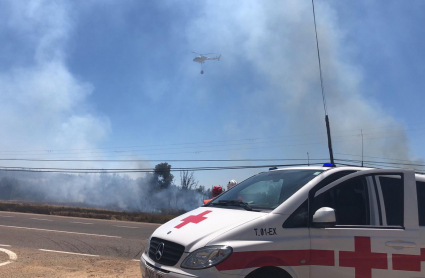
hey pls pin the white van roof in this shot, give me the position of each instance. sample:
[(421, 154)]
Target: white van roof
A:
[(419, 176)]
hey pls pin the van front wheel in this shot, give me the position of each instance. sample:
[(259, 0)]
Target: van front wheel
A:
[(269, 272)]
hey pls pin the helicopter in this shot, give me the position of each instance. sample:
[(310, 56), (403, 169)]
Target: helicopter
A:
[(202, 58)]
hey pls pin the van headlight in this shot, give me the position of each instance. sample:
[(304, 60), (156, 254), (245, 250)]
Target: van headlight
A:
[(148, 246), (207, 257)]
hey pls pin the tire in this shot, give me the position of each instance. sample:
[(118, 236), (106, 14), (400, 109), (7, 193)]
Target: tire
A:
[(269, 272)]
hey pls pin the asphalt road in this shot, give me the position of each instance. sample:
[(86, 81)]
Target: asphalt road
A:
[(56, 234)]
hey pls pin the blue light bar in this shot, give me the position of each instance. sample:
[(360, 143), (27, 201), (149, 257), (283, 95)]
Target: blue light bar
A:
[(328, 165)]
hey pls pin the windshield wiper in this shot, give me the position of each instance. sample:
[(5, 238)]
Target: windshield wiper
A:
[(233, 203)]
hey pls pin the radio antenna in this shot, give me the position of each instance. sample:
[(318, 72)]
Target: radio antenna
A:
[(328, 129), (362, 145)]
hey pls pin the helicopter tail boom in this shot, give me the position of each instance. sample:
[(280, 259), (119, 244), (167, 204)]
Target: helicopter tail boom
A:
[(215, 58)]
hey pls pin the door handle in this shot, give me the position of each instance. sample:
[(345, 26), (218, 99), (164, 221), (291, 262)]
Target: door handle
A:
[(399, 244)]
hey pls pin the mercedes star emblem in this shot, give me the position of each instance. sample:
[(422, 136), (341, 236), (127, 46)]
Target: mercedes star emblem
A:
[(159, 251)]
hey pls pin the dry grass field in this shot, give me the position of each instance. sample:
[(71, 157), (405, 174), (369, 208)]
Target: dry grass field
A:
[(15, 206)]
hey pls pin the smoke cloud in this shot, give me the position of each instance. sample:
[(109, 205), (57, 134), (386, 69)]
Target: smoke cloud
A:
[(42, 104), (100, 191), (278, 40), (45, 106)]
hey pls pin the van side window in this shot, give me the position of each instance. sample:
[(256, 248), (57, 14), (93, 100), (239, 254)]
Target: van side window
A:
[(299, 218), (350, 200), (393, 195), (420, 189)]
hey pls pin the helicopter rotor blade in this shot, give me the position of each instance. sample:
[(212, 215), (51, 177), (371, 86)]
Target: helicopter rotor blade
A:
[(202, 54)]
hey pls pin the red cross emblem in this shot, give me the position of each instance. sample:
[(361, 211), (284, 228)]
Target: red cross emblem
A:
[(193, 219), (362, 259)]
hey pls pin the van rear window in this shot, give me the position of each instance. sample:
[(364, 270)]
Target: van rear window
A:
[(393, 194), (420, 189)]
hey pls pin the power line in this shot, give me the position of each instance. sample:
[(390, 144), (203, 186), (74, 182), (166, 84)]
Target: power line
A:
[(386, 158), (383, 162), (200, 151), (158, 149), (318, 142), (209, 142), (225, 145), (207, 160), (145, 170), (201, 168), (154, 160), (417, 171), (380, 167), (216, 150)]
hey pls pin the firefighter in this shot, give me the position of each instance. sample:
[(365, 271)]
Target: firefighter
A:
[(231, 184), (217, 190)]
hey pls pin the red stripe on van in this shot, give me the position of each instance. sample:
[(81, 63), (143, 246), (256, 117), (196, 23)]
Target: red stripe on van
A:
[(408, 262), (241, 260)]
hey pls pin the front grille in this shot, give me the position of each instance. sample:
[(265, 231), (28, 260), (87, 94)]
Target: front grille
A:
[(172, 251)]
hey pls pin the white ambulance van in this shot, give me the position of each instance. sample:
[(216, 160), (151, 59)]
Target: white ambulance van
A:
[(327, 222)]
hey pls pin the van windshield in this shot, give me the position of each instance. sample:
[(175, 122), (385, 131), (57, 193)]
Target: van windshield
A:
[(265, 191)]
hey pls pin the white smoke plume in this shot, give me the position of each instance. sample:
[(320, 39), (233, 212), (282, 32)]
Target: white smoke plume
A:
[(45, 106), (277, 39), (42, 104), (109, 191)]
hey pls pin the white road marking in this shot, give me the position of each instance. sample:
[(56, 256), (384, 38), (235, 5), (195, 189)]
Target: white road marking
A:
[(41, 219), (5, 216), (5, 245), (6, 263), (136, 260), (126, 227), (85, 223), (72, 253), (56, 231), (76, 218), (12, 256)]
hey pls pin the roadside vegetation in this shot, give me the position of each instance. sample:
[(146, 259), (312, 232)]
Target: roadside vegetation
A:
[(160, 217)]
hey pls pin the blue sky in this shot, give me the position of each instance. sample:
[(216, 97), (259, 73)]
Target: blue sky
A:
[(119, 75)]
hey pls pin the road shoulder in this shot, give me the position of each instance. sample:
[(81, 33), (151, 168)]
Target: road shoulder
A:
[(36, 263)]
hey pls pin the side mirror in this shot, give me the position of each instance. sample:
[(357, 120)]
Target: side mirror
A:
[(324, 217)]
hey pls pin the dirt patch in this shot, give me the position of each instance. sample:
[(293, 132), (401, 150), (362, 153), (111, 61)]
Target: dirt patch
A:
[(3, 256), (35, 263)]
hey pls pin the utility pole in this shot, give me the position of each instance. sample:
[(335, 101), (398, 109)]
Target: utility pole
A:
[(328, 129)]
